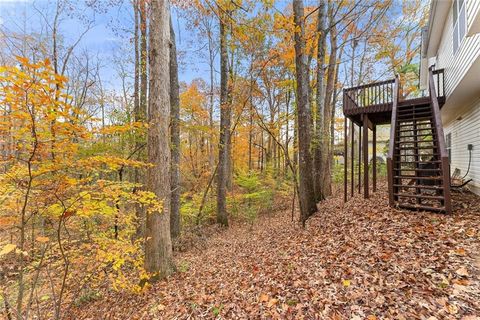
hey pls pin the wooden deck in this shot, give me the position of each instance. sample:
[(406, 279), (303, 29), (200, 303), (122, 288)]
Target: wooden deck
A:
[(370, 105), (376, 100)]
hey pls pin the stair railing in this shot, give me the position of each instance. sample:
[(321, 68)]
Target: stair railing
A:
[(437, 121), (391, 147)]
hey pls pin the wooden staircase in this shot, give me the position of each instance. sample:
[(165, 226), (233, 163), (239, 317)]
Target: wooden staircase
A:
[(418, 167)]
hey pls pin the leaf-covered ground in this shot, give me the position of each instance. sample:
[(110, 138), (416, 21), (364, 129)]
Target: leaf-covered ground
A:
[(362, 260)]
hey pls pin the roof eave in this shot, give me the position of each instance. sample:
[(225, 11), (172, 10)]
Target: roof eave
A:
[(436, 23)]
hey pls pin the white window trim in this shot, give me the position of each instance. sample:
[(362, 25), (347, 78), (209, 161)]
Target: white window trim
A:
[(456, 24)]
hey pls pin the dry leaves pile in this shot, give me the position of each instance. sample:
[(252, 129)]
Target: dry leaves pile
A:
[(361, 260)]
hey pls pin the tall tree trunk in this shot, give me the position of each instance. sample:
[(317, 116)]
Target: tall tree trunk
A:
[(327, 116), (279, 139), (211, 55), (295, 139), (143, 58), (136, 101), (320, 100), (139, 111), (225, 115), (332, 122), (250, 116), (231, 74), (250, 133), (158, 244), (287, 128), (175, 138), (306, 192)]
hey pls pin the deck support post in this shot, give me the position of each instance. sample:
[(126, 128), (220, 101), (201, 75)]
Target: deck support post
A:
[(359, 159), (345, 162), (352, 155), (374, 158), (417, 159), (365, 156)]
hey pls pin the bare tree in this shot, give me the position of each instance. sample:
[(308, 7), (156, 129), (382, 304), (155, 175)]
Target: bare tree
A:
[(320, 100), (143, 59), (225, 119), (175, 138), (306, 189), (158, 244), (329, 105)]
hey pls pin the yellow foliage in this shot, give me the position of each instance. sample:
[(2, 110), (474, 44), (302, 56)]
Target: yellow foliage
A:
[(66, 182), (7, 249)]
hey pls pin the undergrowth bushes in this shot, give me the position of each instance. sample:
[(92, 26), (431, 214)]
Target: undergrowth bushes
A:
[(252, 194)]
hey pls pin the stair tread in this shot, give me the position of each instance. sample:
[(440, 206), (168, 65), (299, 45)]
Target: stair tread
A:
[(420, 207), (417, 154), (414, 148), (415, 112), (418, 178), (413, 136), (417, 169), (419, 106), (418, 124), (414, 141), (416, 130), (422, 186), (402, 120), (419, 161), (421, 196)]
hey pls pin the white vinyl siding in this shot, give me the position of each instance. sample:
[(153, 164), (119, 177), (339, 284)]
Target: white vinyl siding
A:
[(463, 132), (473, 6), (457, 64)]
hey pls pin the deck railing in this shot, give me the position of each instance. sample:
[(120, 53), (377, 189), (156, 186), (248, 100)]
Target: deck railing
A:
[(377, 93), (391, 148), (439, 82), (381, 94), (437, 121)]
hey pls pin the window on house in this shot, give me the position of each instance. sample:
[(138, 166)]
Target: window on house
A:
[(448, 145), (459, 23)]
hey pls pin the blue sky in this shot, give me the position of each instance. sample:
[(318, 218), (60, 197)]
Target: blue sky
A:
[(111, 32), (109, 36)]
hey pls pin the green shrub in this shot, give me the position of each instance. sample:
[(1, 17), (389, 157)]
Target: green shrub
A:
[(190, 205), (87, 296), (255, 195)]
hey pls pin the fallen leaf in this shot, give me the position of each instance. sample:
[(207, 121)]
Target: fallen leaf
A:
[(380, 299), (272, 302), (7, 249), (461, 282), (471, 232), (346, 283), (42, 239), (263, 298), (451, 308), (462, 271)]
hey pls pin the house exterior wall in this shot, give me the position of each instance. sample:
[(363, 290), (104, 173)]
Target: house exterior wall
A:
[(466, 130), (457, 64)]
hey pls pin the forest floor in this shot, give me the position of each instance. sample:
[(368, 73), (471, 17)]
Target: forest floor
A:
[(360, 260)]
